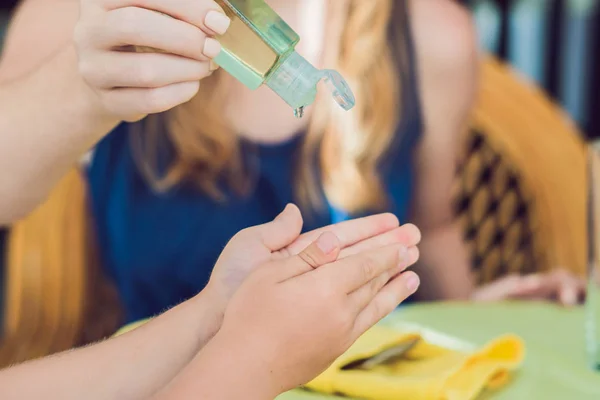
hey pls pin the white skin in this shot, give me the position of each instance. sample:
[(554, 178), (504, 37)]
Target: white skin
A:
[(281, 289), (446, 55)]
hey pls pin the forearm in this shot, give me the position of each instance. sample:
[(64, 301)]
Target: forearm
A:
[(444, 266), (48, 119), (226, 369), (133, 366)]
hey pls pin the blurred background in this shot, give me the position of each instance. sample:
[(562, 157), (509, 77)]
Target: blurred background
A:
[(552, 42)]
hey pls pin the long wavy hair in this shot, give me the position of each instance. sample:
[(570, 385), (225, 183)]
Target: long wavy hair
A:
[(366, 44)]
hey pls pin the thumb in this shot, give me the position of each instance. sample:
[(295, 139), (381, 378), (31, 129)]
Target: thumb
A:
[(283, 230), (322, 251)]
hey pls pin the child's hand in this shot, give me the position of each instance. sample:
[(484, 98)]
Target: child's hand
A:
[(280, 239), (293, 317)]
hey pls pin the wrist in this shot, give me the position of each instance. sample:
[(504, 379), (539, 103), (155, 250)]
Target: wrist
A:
[(214, 299), (229, 368), (209, 309)]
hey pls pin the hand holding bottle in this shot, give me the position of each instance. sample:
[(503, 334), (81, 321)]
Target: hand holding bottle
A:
[(133, 84)]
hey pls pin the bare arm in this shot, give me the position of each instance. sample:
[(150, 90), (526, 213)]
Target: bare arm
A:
[(447, 58), (272, 313), (48, 116), (48, 119), (133, 366)]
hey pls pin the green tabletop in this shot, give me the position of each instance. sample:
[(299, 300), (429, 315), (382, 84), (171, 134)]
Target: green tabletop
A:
[(555, 367)]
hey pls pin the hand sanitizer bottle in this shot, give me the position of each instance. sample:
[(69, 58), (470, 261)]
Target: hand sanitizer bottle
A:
[(259, 48)]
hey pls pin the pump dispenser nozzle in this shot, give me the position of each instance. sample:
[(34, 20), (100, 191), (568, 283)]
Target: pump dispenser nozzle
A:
[(259, 48), (295, 80)]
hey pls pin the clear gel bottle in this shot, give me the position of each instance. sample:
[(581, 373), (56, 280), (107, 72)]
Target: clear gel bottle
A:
[(259, 48)]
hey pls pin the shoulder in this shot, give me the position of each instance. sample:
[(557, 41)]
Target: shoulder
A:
[(447, 61), (445, 36)]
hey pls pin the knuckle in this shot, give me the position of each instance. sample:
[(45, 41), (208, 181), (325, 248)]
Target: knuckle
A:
[(342, 317), (86, 69), (144, 74), (376, 284), (377, 311), (124, 23), (326, 292), (368, 268), (80, 35)]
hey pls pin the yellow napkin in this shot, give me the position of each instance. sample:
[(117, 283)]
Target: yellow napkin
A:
[(130, 327), (424, 371)]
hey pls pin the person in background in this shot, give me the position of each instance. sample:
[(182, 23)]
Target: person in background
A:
[(230, 158)]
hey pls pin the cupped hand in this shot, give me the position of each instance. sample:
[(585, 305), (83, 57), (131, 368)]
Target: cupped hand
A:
[(132, 84), (280, 239)]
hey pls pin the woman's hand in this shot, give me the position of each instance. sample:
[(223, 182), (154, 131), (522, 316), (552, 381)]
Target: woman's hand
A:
[(293, 317), (558, 285), (281, 238), (132, 84)]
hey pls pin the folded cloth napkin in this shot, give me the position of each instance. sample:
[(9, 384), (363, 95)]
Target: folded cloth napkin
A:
[(385, 364)]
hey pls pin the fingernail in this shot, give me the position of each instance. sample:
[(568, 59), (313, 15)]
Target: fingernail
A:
[(327, 243), (217, 22), (413, 282), (212, 48)]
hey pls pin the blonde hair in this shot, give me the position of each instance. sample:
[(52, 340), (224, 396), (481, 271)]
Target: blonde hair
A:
[(367, 48)]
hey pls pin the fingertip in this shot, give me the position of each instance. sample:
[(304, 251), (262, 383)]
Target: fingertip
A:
[(412, 281), (414, 232), (568, 297), (292, 216), (413, 255), (290, 211), (328, 243), (391, 220), (291, 207)]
